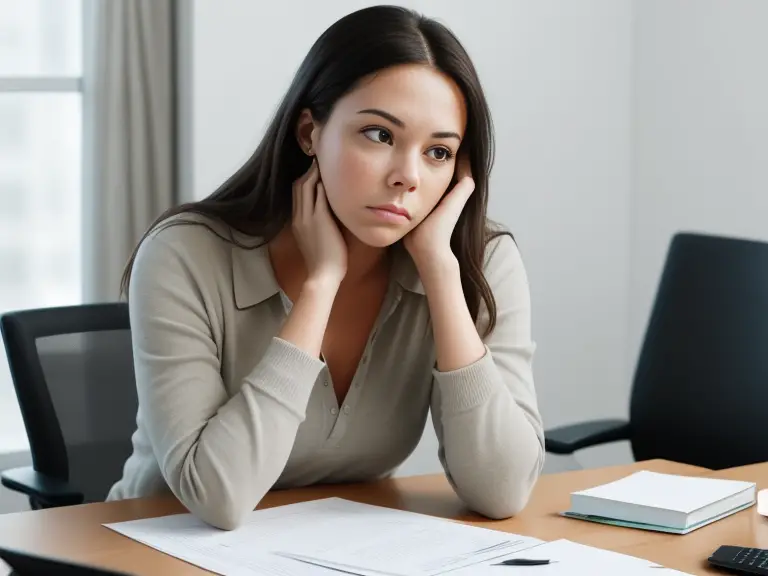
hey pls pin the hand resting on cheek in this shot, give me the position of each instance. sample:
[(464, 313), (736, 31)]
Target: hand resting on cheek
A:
[(430, 240)]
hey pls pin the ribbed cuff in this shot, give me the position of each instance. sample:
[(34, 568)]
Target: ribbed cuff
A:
[(287, 374), (468, 387)]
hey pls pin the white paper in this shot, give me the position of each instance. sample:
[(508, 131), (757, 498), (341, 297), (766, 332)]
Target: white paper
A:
[(667, 491), (241, 552), (370, 540), (573, 559), (263, 543)]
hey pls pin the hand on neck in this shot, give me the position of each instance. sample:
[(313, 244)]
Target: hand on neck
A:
[(364, 262)]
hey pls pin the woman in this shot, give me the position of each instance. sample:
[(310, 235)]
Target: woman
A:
[(297, 326)]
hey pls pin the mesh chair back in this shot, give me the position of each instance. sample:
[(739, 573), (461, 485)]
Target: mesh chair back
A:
[(73, 374)]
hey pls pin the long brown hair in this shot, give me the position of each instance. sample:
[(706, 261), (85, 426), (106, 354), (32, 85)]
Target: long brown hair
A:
[(257, 199)]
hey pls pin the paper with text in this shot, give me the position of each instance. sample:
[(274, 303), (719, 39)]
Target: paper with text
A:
[(392, 542)]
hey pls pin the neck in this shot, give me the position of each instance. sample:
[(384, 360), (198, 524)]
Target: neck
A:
[(363, 261)]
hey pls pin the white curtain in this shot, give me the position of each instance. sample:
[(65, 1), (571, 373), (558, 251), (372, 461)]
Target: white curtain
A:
[(129, 119)]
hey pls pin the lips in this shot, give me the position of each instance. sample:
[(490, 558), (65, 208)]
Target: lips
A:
[(394, 209)]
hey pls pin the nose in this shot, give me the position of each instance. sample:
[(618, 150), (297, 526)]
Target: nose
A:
[(405, 173)]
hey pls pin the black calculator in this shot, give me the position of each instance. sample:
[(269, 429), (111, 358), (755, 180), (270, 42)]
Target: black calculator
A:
[(741, 559)]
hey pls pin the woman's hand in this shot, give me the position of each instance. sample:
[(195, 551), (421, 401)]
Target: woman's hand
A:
[(325, 258), (316, 233), (430, 242)]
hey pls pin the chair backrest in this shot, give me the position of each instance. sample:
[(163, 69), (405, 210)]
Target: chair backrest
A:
[(701, 383), (72, 368)]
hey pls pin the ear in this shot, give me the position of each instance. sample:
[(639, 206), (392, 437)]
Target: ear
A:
[(306, 132)]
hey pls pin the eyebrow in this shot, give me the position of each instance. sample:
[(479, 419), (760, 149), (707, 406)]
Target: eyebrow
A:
[(400, 124)]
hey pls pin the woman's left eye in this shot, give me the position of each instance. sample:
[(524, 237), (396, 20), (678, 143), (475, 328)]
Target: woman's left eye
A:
[(443, 154), (378, 135)]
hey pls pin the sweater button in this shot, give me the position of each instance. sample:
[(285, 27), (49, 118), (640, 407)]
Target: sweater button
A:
[(334, 411)]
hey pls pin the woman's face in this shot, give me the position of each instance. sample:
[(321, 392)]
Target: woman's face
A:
[(390, 146)]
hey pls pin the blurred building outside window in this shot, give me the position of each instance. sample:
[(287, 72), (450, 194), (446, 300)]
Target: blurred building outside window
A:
[(41, 55)]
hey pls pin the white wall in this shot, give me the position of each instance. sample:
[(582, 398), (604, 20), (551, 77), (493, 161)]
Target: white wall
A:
[(558, 77), (700, 153)]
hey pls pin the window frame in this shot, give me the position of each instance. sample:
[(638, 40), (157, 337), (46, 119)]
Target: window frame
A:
[(41, 84)]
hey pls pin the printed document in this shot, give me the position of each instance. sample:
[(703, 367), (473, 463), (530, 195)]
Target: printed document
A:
[(324, 537)]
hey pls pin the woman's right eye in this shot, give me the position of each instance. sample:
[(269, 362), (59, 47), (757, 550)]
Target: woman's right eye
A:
[(378, 135)]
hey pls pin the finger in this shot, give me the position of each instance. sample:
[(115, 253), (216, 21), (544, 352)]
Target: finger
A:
[(308, 173), (463, 167), (311, 172), (309, 192), (456, 199), (298, 190), (321, 203), (297, 194), (296, 208)]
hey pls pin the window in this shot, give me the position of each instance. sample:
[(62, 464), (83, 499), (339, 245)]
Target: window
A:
[(40, 168)]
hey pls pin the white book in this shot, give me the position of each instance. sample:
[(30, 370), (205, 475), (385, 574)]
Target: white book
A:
[(662, 502)]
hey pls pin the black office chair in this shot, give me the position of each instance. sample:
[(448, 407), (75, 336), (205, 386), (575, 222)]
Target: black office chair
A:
[(72, 368), (700, 389)]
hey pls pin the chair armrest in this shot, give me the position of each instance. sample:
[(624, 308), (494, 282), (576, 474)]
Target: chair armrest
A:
[(46, 489), (572, 437)]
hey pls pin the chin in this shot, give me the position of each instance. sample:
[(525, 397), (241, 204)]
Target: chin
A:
[(377, 236)]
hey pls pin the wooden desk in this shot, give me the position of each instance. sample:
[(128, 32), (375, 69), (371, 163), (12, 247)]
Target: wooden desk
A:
[(77, 533)]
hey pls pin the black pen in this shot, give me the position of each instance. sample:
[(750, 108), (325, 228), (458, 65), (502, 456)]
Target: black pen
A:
[(523, 562)]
